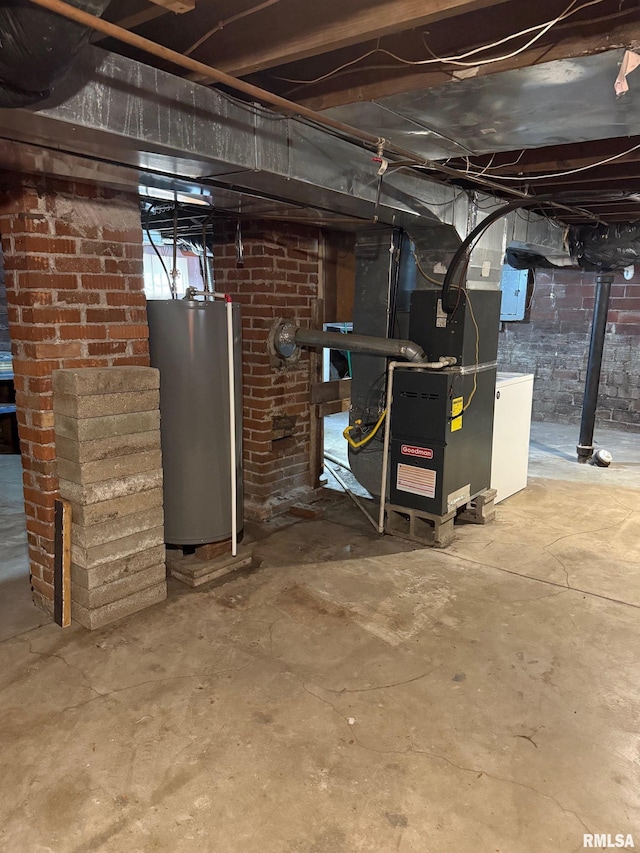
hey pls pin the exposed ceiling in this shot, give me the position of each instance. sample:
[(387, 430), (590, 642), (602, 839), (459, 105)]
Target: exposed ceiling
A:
[(536, 112)]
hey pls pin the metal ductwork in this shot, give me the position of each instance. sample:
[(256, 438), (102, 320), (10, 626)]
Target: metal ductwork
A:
[(124, 124), (37, 48), (119, 111)]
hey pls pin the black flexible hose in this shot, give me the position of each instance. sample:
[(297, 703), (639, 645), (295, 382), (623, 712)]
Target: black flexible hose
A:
[(465, 248), (155, 248)]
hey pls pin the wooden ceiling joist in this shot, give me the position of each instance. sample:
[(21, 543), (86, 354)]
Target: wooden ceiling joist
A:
[(312, 31), (557, 158), (279, 44), (343, 90)]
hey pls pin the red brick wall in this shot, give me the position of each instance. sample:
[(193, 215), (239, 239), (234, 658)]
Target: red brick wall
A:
[(73, 261), (280, 278), (5, 341), (555, 343)]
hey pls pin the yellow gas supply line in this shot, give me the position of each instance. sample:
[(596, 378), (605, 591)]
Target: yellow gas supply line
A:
[(368, 437)]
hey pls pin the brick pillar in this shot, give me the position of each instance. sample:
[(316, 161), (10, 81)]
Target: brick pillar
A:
[(73, 262), (5, 341), (279, 278)]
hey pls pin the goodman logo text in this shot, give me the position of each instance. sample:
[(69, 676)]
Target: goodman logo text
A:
[(411, 450), (607, 841)]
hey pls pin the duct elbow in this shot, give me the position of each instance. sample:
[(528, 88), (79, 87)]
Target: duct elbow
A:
[(412, 352)]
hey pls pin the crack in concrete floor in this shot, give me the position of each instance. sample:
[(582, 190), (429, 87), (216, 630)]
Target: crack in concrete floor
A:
[(374, 700)]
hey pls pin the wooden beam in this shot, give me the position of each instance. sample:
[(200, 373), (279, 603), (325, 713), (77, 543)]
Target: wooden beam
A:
[(62, 563), (613, 205), (325, 409), (329, 392), (582, 42), (558, 158), (177, 6), (139, 18), (312, 31), (607, 217), (621, 174), (587, 183), (339, 276)]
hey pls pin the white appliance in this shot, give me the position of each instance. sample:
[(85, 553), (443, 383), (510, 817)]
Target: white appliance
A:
[(511, 428)]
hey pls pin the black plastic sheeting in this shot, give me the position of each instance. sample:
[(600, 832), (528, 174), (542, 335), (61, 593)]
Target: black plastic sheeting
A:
[(520, 259), (605, 247), (37, 47)]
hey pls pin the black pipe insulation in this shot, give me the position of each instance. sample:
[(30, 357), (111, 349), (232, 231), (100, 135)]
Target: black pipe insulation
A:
[(37, 47), (594, 365)]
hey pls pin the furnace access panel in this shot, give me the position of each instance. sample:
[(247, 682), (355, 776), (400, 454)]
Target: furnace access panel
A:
[(440, 454)]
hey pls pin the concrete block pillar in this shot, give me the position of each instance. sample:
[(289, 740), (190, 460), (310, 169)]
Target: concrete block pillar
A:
[(107, 439)]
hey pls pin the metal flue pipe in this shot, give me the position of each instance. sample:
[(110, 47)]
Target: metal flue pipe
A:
[(594, 365), (288, 337)]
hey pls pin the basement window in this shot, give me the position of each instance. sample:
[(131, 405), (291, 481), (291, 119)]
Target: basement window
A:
[(158, 262)]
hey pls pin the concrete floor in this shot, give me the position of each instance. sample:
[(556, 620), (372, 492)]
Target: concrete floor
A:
[(336, 446), (353, 694), (17, 613)]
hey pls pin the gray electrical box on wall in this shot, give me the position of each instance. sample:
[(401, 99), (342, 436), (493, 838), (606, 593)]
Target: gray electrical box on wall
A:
[(513, 285)]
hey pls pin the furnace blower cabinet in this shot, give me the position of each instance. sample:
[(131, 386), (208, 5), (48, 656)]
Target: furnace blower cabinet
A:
[(442, 421)]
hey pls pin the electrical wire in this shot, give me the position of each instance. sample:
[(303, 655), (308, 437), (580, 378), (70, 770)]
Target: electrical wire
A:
[(252, 106), (390, 67), (434, 166), (155, 248), (459, 59), (475, 372), (533, 290), (205, 266), (376, 386), (424, 275), (489, 167), (297, 111), (523, 179), (221, 24), (544, 28)]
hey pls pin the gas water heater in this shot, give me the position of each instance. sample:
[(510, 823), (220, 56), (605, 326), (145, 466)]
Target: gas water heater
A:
[(188, 342)]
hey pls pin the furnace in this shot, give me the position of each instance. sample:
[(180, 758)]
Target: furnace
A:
[(442, 421)]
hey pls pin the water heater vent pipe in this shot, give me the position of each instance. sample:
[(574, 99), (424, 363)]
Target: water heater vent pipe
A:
[(288, 337)]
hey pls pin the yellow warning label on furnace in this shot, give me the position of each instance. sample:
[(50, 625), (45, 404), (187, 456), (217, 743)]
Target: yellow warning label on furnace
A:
[(456, 413)]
